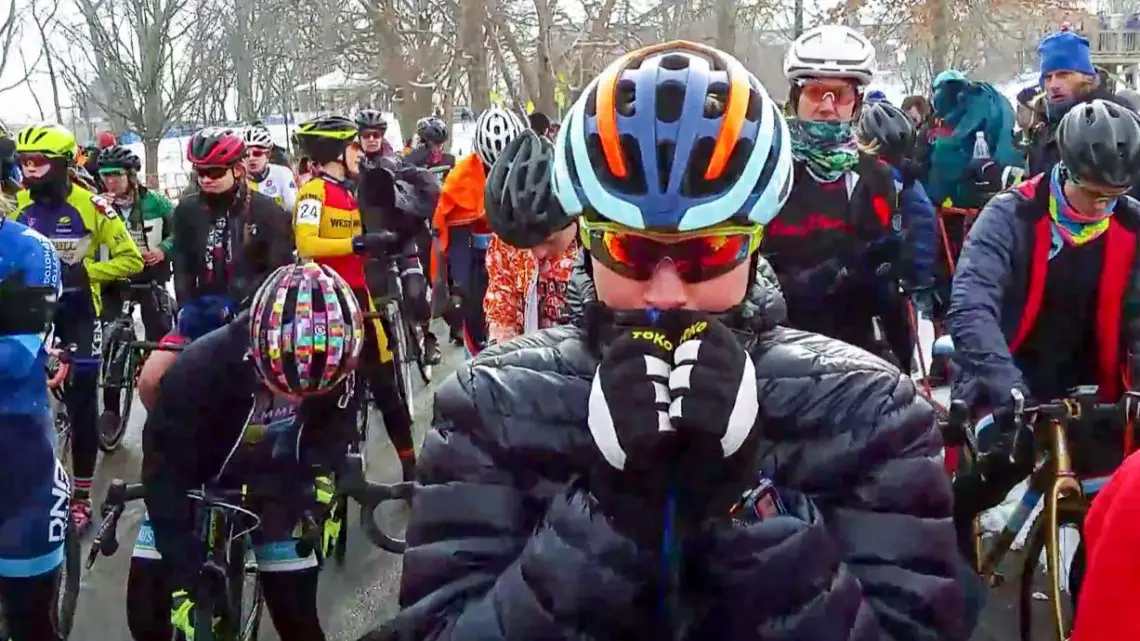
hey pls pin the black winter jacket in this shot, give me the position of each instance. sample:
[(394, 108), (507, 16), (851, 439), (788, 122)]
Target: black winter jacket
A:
[(260, 237), (505, 540)]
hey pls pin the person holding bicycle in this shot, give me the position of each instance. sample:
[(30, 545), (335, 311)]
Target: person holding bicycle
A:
[(148, 217), (36, 489), (329, 231), (80, 225), (264, 403), (679, 466), (1039, 301)]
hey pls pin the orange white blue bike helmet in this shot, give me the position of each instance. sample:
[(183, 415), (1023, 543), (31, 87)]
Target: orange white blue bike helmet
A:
[(675, 137)]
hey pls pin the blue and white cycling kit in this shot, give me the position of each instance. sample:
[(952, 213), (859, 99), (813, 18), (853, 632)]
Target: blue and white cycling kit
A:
[(35, 491)]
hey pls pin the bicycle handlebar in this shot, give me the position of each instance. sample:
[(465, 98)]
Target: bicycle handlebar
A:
[(1079, 406)]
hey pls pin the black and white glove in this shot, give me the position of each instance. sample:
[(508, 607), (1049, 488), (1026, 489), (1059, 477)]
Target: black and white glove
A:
[(629, 421), (714, 406)]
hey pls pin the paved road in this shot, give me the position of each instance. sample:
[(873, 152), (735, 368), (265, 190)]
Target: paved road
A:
[(356, 597), (352, 599)]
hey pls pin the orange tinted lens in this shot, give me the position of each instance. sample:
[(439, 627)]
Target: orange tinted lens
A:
[(696, 259), (841, 94)]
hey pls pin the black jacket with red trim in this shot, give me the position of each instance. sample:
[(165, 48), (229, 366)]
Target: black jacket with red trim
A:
[(998, 288)]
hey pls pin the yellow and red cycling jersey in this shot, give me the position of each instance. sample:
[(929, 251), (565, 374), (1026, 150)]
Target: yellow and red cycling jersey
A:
[(325, 220)]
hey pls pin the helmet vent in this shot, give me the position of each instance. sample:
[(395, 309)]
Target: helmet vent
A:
[(625, 98), (665, 149), (716, 100), (675, 62), (670, 101)]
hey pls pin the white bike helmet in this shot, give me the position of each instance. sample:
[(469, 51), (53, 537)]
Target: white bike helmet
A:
[(495, 128), (258, 137), (831, 51)]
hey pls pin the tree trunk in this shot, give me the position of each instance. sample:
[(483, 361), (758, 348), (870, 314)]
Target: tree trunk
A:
[(150, 149), (545, 101), (726, 26), (472, 40)]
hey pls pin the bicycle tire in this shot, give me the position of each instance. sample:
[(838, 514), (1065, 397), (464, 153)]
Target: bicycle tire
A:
[(66, 600), (110, 442), (123, 361), (401, 365), (340, 552), (204, 614), (415, 335), (1068, 513), (250, 623)]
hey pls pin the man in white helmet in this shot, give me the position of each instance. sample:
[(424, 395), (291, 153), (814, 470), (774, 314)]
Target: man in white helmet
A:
[(459, 226), (274, 181)]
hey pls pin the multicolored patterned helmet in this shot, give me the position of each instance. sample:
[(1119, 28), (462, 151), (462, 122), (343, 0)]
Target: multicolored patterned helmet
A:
[(306, 330)]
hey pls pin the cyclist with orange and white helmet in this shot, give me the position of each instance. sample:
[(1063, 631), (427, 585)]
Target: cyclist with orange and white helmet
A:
[(678, 465), (265, 403)]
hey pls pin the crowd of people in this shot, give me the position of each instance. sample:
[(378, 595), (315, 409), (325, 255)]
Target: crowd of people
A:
[(691, 313)]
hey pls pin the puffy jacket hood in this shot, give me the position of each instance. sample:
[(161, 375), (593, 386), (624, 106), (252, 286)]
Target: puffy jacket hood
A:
[(762, 309)]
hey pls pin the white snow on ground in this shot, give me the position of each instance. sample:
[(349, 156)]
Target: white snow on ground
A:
[(173, 170)]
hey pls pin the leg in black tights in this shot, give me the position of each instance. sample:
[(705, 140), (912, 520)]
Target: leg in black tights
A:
[(148, 601), (28, 606), (291, 598)]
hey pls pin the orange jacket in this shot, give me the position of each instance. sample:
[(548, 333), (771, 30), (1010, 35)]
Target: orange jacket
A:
[(460, 203)]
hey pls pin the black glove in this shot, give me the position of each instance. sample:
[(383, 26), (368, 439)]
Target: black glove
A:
[(1005, 446), (377, 187), (714, 409), (75, 277), (986, 176), (374, 243), (629, 420), (910, 170)]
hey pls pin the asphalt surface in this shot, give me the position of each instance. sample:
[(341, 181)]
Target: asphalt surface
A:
[(353, 599), (357, 597)]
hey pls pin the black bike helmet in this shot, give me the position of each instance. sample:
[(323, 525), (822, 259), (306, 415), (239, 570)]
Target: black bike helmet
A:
[(1129, 98), (889, 127), (1099, 141), (520, 205), (431, 129), (324, 139), (119, 157), (370, 119)]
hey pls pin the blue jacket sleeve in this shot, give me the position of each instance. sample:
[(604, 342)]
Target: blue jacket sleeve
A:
[(919, 223), (987, 370)]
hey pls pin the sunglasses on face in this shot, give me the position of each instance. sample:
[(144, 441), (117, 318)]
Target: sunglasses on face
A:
[(255, 153), (33, 160), (372, 134), (1098, 193), (841, 94), (212, 173), (696, 258)]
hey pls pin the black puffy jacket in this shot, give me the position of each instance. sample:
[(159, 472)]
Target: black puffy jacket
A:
[(505, 543)]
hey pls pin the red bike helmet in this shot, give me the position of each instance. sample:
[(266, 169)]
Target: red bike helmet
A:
[(215, 147), (306, 330)]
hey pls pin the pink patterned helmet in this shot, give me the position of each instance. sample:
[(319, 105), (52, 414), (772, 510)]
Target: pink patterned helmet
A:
[(306, 330)]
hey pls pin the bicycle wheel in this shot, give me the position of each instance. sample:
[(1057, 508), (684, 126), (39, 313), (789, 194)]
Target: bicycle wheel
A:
[(62, 422), (252, 600), (68, 595), (416, 348), (1057, 612), (341, 514), (401, 362), (120, 370)]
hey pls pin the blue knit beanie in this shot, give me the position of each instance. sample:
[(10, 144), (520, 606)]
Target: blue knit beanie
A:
[(1065, 51)]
